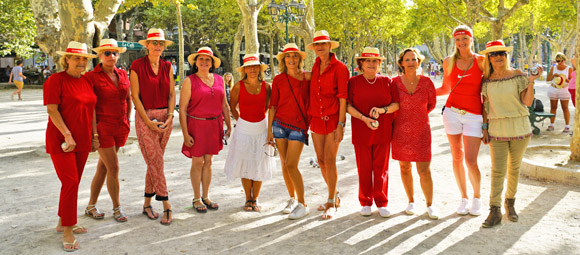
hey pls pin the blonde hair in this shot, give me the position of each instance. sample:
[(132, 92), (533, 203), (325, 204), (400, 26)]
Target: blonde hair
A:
[(229, 83), (560, 55), (63, 63), (420, 57), (282, 63), (455, 54), (488, 68)]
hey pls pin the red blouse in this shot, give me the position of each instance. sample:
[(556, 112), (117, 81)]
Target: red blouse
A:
[(76, 103), (328, 87), (289, 113), (364, 96), (252, 107), (111, 105), (467, 94), (153, 89)]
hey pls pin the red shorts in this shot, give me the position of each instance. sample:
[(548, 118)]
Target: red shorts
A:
[(323, 125), (107, 141)]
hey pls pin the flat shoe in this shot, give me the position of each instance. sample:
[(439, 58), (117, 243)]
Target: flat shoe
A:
[(167, 221), (73, 244), (152, 213), (211, 205), (94, 212), (199, 208)]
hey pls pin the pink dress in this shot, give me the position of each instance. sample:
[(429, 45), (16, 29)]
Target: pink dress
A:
[(411, 130), (205, 102)]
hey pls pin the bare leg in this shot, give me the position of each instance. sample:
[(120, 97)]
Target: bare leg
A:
[(553, 109), (471, 145), (458, 168), (319, 141), (206, 175), (407, 178), (424, 170), (109, 158), (98, 181), (292, 160), (282, 149), (564, 104), (247, 185), (195, 175)]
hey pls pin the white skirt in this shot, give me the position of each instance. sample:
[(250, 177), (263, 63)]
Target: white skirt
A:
[(247, 156)]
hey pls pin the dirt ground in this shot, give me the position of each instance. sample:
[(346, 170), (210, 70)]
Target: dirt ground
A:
[(549, 212)]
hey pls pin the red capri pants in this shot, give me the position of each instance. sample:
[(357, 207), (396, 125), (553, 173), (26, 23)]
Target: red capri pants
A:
[(373, 173), (69, 169)]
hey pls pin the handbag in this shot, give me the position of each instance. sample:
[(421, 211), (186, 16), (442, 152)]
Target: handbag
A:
[(443, 109), (299, 108)]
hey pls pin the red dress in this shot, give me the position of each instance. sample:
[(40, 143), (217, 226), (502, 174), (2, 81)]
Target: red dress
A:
[(411, 130), (205, 102), (111, 108)]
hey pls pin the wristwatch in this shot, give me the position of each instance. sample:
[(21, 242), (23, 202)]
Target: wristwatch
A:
[(341, 123)]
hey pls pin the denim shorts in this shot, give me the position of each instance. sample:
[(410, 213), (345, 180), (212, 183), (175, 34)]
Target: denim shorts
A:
[(281, 132)]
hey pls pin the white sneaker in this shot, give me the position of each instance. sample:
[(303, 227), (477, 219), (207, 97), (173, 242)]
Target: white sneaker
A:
[(299, 211), (384, 212), (433, 214), (475, 207), (290, 206), (366, 211), (410, 209), (462, 209)]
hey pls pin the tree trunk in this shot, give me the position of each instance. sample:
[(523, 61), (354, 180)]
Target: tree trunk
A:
[(119, 26), (272, 66), (575, 141), (181, 43), (236, 52), (250, 10)]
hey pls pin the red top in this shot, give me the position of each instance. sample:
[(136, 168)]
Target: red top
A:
[(289, 113), (153, 89), (328, 87), (364, 96), (411, 129), (467, 95), (76, 103), (111, 105), (252, 107), (206, 101)]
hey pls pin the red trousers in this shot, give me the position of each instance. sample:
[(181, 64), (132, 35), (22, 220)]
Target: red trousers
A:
[(69, 169), (152, 146), (372, 162)]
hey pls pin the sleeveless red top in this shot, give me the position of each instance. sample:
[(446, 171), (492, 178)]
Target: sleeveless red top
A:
[(252, 107), (467, 94)]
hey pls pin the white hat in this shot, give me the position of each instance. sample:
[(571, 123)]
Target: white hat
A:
[(495, 46), (370, 52), (109, 44), (320, 37), (204, 51), (288, 48), (76, 49), (155, 34), (252, 60)]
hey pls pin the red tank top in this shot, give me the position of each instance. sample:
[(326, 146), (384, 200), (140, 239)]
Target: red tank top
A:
[(252, 107), (467, 94)]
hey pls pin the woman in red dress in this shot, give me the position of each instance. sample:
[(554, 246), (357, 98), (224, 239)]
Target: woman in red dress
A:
[(372, 99), (70, 103), (411, 130), (288, 123), (327, 111), (113, 110), (153, 94), (204, 105)]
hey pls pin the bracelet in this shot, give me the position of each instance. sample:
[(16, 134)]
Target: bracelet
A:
[(386, 108), (95, 135), (484, 126), (341, 123), (66, 133), (170, 114)]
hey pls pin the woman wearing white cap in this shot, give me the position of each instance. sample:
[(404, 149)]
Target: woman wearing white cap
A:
[(113, 111), (372, 100), (70, 103), (462, 74), (248, 156), (153, 94), (288, 123), (328, 93), (558, 90), (411, 129), (203, 107), (507, 94)]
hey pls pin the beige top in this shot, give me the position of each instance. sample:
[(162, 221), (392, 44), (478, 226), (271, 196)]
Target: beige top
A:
[(507, 114)]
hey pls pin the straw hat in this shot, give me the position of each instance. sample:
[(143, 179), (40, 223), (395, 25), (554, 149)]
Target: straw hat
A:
[(495, 46), (370, 52), (155, 34), (288, 48), (76, 49), (109, 44), (204, 51), (320, 37), (252, 60)]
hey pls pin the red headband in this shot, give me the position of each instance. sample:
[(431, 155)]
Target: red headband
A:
[(290, 49), (494, 43), (369, 55), (320, 38), (462, 32), (72, 50), (107, 45), (154, 35), (250, 59), (205, 52)]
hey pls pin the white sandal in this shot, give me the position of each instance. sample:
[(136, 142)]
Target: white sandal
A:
[(328, 212)]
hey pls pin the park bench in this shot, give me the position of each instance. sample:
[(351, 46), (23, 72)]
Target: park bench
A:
[(537, 117)]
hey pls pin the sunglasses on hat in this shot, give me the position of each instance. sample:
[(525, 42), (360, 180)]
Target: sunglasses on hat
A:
[(109, 53), (497, 53)]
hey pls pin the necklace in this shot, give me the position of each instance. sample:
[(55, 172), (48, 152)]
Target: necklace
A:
[(375, 80)]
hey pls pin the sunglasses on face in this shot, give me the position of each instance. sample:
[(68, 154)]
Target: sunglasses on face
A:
[(497, 53), (559, 60), (109, 53), (160, 43)]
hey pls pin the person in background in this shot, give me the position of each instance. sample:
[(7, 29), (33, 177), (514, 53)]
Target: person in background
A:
[(561, 93), (229, 82), (572, 83), (18, 77), (70, 133)]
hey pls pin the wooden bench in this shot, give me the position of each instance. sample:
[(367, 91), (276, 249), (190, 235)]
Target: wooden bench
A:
[(537, 117)]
